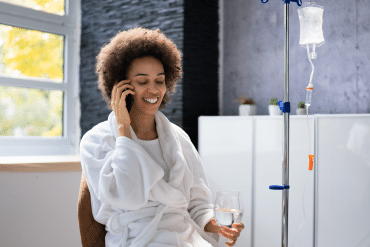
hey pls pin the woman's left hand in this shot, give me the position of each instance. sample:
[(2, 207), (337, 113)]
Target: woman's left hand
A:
[(231, 233)]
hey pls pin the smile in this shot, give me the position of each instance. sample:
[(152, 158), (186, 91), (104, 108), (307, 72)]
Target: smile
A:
[(152, 100)]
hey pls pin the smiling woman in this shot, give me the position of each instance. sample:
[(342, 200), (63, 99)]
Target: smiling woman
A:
[(147, 78), (115, 58), (138, 165)]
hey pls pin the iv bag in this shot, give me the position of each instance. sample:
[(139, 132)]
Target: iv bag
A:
[(310, 19)]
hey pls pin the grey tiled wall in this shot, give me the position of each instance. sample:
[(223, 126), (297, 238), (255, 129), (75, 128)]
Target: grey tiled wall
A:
[(101, 20), (254, 50)]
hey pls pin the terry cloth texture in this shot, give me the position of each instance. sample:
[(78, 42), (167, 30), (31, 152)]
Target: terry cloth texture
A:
[(131, 198)]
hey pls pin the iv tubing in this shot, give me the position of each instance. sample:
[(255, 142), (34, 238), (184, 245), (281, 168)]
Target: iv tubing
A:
[(309, 139), (305, 186), (304, 213), (309, 58)]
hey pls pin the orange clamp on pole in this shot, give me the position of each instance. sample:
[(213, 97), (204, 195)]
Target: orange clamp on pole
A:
[(310, 163)]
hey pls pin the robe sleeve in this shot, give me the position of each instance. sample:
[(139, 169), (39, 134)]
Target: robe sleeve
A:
[(200, 206), (117, 171)]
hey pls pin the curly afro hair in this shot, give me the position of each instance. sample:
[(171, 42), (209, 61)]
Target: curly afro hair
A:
[(115, 58)]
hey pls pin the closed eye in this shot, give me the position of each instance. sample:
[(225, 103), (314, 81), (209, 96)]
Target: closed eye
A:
[(159, 82)]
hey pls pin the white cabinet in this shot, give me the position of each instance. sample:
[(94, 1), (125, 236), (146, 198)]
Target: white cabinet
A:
[(245, 153), (225, 147), (343, 181)]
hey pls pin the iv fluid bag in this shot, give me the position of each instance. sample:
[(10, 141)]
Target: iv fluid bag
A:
[(310, 19)]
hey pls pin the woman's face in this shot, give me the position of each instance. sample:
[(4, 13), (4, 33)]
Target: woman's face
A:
[(147, 76)]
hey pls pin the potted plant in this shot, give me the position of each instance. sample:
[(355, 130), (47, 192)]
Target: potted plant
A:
[(274, 108), (301, 110), (247, 107)]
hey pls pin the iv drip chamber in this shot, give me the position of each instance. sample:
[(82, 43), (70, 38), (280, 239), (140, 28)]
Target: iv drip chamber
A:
[(309, 90), (310, 19)]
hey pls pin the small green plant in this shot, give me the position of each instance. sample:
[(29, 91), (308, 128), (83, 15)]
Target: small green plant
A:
[(274, 101), (301, 105), (244, 101)]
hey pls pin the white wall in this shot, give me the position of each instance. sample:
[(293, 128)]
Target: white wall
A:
[(39, 209)]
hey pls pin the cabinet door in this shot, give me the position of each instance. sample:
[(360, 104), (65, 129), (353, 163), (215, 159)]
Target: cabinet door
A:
[(225, 147), (343, 181), (267, 210)]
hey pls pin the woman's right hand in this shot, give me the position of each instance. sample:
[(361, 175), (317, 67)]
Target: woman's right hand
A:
[(119, 92)]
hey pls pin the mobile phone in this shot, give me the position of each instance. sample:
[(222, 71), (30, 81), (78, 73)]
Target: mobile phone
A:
[(129, 102), (129, 99)]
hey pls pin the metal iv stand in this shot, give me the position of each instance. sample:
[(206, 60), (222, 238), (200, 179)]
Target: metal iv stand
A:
[(285, 108)]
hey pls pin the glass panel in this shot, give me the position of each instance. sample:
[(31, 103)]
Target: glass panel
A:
[(30, 53), (49, 6), (30, 112)]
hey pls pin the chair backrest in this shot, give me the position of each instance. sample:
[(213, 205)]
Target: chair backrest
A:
[(92, 232)]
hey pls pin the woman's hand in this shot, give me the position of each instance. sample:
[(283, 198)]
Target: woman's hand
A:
[(212, 226), (119, 92), (231, 233)]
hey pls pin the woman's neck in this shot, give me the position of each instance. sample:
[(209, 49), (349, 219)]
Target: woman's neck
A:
[(144, 126)]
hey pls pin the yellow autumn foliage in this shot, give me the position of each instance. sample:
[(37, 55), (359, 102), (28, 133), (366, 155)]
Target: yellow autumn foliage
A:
[(31, 53), (50, 6), (30, 112), (56, 131)]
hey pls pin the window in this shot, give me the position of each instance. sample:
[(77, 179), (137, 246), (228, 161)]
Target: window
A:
[(39, 59)]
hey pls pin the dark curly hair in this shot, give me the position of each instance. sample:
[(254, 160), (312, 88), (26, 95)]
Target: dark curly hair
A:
[(115, 58)]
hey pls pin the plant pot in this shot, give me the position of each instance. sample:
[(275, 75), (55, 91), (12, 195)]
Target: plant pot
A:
[(301, 111), (247, 110), (274, 110)]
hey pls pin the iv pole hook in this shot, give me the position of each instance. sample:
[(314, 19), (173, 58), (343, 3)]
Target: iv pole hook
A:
[(299, 2)]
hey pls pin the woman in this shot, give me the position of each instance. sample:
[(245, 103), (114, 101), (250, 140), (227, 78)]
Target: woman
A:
[(145, 177)]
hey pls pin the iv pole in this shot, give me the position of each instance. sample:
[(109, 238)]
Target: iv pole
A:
[(285, 107)]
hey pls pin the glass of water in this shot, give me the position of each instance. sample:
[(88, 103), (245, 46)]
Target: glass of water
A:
[(228, 208)]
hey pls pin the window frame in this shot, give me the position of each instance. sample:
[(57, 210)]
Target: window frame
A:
[(69, 26)]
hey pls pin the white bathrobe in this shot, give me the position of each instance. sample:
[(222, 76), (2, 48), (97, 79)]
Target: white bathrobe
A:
[(130, 197)]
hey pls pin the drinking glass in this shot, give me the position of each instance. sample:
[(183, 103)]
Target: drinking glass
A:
[(228, 208)]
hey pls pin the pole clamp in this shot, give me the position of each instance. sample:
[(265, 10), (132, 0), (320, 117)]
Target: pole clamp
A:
[(279, 187), (299, 2), (284, 106)]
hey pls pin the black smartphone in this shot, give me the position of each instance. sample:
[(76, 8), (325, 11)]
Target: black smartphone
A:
[(129, 99), (129, 102)]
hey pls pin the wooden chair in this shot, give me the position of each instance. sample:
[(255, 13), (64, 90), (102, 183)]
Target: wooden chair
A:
[(92, 232)]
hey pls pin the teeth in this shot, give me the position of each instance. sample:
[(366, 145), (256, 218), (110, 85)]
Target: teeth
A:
[(151, 100)]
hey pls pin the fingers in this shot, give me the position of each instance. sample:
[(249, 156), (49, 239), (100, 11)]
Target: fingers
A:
[(238, 226), (231, 243), (231, 233), (121, 89)]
